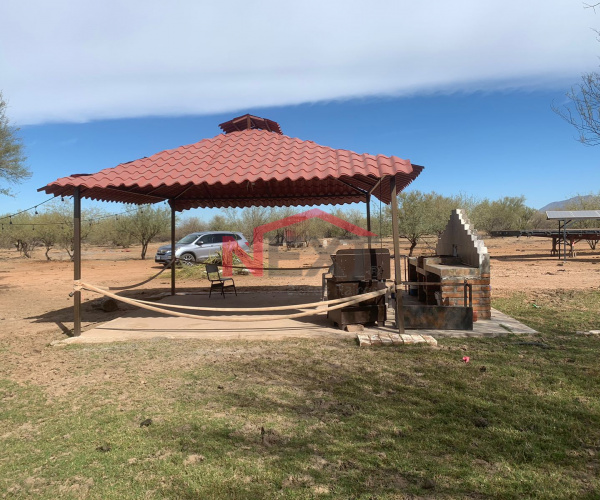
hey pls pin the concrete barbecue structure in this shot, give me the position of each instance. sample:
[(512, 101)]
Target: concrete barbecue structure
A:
[(452, 288)]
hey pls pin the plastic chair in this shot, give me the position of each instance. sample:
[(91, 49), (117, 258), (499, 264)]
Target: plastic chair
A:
[(217, 281)]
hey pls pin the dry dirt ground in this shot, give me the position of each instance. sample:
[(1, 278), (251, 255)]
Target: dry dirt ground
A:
[(35, 307)]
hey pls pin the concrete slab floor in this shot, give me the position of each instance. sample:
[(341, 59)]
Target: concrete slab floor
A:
[(143, 324)]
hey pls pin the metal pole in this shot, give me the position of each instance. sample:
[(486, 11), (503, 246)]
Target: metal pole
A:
[(172, 205), (560, 239), (369, 219), (565, 240), (397, 270), (77, 260)]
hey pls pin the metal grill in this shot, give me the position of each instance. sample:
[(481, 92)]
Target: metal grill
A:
[(355, 272)]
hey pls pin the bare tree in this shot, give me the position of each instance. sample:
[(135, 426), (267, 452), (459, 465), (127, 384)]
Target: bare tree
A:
[(583, 112)]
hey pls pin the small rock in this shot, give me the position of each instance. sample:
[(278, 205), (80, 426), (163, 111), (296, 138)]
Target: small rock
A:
[(104, 448), (107, 304), (482, 369), (220, 387), (428, 484), (481, 422), (146, 423), (321, 490), (192, 459), (355, 328)]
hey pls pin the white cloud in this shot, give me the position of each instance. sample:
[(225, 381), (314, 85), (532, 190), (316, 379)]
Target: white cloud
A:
[(80, 61)]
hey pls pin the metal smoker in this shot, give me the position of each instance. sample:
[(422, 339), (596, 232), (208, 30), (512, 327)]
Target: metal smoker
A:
[(354, 272)]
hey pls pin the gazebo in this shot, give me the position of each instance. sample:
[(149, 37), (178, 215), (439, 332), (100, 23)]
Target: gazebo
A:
[(250, 164)]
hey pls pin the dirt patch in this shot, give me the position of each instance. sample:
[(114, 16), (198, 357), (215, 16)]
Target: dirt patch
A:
[(35, 307)]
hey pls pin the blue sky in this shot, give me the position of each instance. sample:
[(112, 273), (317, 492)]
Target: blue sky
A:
[(468, 96)]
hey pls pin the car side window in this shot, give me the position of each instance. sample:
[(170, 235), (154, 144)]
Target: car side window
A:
[(228, 237), (217, 238), (207, 238)]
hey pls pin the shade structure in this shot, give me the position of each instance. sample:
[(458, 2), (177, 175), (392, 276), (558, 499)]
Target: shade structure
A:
[(242, 168), (251, 164)]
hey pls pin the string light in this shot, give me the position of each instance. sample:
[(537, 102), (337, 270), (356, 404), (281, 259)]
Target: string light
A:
[(139, 209), (27, 209)]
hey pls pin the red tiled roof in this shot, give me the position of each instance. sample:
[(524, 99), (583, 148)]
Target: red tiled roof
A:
[(245, 168)]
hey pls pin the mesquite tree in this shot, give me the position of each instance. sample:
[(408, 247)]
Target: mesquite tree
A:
[(12, 157), (144, 223)]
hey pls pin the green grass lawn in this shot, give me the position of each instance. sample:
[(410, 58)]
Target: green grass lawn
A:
[(318, 419)]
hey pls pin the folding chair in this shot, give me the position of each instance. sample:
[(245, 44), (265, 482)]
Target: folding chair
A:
[(217, 281)]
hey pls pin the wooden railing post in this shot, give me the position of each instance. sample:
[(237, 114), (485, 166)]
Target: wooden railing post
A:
[(77, 260), (397, 257)]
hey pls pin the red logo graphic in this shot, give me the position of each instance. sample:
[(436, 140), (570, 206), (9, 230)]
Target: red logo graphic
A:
[(255, 263)]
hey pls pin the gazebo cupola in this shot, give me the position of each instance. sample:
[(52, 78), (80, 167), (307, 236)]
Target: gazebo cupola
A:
[(250, 122)]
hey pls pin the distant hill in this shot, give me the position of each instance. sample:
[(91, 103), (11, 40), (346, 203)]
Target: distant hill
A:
[(559, 205)]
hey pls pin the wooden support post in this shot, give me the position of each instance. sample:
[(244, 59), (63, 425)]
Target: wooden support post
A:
[(397, 257), (369, 219), (77, 260), (172, 205)]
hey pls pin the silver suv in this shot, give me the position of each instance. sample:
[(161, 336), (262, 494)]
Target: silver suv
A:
[(197, 247)]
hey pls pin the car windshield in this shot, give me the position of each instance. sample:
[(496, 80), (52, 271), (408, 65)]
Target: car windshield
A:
[(190, 238)]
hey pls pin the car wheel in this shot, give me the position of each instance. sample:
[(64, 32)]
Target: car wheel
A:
[(188, 259)]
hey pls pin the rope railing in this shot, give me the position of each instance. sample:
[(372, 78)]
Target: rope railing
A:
[(324, 306), (266, 268), (253, 309), (168, 266)]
